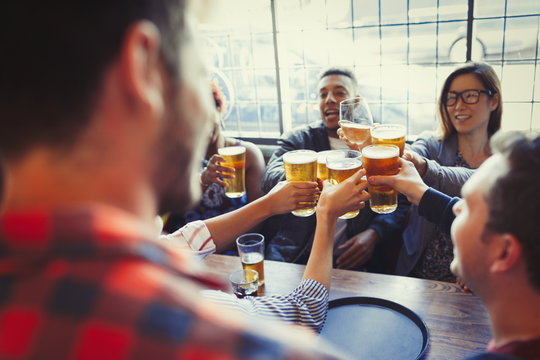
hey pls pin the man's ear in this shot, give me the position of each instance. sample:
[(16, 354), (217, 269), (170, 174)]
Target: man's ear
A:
[(507, 252), (141, 66)]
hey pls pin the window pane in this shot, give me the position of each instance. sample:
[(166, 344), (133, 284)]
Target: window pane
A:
[(269, 120), (394, 44), (365, 12), (367, 46), (517, 82), (453, 9), (490, 38), (516, 116), (452, 41), (522, 7), (423, 43), (520, 38), (422, 11), (299, 113), (266, 85), (423, 84), (488, 8), (423, 117), (394, 83), (536, 117), (393, 12)]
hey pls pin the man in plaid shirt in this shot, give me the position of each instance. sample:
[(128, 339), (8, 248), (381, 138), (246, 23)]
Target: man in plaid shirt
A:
[(96, 98)]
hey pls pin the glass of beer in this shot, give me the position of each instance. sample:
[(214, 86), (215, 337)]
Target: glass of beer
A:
[(301, 165), (251, 252), (389, 134), (341, 165), (356, 121), (244, 283), (381, 159), (235, 158), (322, 171)]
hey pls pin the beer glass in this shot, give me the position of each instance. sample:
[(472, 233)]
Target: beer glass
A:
[(235, 158), (322, 171), (356, 121), (341, 165), (381, 159), (389, 134), (251, 252), (301, 165), (244, 282)]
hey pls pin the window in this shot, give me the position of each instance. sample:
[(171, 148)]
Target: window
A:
[(268, 53)]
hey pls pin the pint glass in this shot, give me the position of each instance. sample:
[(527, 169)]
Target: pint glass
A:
[(235, 158), (389, 134), (341, 165), (251, 252), (301, 165), (381, 160), (322, 171)]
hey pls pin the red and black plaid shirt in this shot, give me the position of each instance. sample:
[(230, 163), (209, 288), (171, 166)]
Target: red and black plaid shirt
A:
[(90, 283)]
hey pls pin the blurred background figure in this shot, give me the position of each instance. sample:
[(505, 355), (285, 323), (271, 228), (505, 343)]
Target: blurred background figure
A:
[(214, 201)]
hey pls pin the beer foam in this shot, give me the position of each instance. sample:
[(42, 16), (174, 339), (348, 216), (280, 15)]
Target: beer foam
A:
[(388, 132), (300, 157), (231, 150), (344, 164), (380, 151)]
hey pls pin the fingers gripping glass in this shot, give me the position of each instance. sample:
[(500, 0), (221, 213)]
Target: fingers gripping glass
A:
[(468, 96)]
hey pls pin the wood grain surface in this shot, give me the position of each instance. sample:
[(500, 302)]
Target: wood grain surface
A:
[(458, 322)]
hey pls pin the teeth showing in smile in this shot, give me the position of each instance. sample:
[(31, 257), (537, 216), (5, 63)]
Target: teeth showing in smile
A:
[(462, 117)]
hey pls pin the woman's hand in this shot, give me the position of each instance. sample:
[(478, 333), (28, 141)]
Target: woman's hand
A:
[(419, 161), (350, 195), (215, 173), (288, 196)]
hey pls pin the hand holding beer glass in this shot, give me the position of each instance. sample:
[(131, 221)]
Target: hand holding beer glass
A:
[(381, 159), (341, 165), (356, 121), (235, 158), (251, 252), (301, 165)]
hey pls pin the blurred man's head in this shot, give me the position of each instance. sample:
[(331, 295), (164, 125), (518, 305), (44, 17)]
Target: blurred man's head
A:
[(71, 69), (335, 85), (495, 231)]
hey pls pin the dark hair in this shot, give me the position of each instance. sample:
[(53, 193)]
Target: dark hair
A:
[(489, 79), (54, 55), (339, 71), (514, 199)]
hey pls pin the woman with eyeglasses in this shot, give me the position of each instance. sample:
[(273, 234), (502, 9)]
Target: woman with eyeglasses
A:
[(470, 108)]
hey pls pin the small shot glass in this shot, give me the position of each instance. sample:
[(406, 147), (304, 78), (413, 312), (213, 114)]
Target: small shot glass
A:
[(244, 282)]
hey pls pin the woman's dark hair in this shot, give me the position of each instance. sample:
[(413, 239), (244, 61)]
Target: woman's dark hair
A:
[(489, 79)]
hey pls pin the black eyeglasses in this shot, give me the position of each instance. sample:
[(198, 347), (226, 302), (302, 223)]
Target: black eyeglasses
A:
[(468, 96)]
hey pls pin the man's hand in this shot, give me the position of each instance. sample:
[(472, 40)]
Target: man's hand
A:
[(358, 249), (419, 161)]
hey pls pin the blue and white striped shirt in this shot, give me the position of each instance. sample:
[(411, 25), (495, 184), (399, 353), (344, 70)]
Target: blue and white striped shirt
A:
[(306, 305)]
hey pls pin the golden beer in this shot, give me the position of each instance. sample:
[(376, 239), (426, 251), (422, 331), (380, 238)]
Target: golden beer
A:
[(340, 168), (301, 165), (251, 251), (359, 134), (381, 160), (322, 171), (254, 261), (389, 134), (235, 158)]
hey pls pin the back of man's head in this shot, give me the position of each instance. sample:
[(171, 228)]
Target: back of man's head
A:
[(514, 198), (55, 53)]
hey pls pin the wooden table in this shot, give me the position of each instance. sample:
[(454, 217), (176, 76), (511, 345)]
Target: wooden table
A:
[(458, 323)]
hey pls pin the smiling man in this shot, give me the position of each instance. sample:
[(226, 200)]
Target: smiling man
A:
[(494, 231), (356, 241)]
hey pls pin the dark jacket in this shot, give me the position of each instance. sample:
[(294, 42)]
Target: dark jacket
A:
[(291, 238)]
